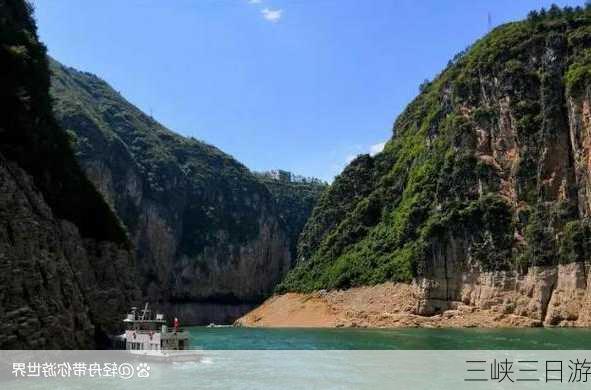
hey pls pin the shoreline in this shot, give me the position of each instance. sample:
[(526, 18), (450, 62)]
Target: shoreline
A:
[(387, 305)]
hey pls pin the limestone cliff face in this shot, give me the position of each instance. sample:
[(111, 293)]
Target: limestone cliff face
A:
[(66, 270), (59, 290), (540, 158), (579, 119), (481, 199), (207, 231), (543, 296)]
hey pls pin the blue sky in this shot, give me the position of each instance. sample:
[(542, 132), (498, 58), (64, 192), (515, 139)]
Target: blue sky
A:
[(302, 85)]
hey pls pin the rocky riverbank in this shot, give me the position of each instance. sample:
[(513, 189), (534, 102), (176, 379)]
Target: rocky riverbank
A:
[(545, 296)]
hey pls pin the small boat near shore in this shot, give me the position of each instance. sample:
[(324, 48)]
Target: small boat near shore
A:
[(148, 337), (212, 325)]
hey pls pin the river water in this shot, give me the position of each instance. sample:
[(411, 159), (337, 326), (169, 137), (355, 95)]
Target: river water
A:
[(390, 339), (243, 358)]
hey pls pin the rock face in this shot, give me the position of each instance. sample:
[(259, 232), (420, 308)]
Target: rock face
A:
[(481, 197), (58, 289), (544, 296), (295, 197), (66, 270), (547, 295), (211, 237)]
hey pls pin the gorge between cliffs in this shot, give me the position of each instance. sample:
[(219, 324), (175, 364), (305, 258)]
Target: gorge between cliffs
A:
[(476, 213), (212, 238)]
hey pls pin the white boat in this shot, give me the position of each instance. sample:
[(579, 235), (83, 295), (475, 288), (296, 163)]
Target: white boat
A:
[(150, 338)]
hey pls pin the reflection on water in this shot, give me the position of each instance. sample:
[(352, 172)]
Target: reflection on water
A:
[(407, 339)]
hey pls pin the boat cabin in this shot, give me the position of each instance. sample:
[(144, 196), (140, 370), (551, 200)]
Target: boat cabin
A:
[(144, 332)]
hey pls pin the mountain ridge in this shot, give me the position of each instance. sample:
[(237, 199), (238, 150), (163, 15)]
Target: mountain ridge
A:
[(489, 151), (207, 230), (477, 213)]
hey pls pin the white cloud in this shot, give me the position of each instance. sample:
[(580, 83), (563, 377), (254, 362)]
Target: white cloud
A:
[(272, 15), (351, 157), (351, 153), (377, 148)]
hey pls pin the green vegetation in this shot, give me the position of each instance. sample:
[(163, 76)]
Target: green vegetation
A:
[(195, 188), (575, 244), (295, 197), (205, 197), (468, 173), (30, 136), (579, 73)]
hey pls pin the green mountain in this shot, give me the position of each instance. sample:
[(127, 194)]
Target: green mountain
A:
[(66, 273), (488, 168), (211, 237)]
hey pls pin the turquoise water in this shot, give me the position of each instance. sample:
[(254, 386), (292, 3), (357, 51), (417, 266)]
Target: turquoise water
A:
[(269, 359), (389, 339)]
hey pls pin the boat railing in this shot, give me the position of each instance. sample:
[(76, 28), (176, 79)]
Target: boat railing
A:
[(168, 331), (179, 330)]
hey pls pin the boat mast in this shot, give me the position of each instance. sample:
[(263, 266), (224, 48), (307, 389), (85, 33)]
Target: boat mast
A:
[(144, 312)]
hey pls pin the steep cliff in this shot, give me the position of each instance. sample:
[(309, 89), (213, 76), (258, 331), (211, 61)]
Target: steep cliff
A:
[(295, 197), (209, 234), (482, 194), (66, 270)]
